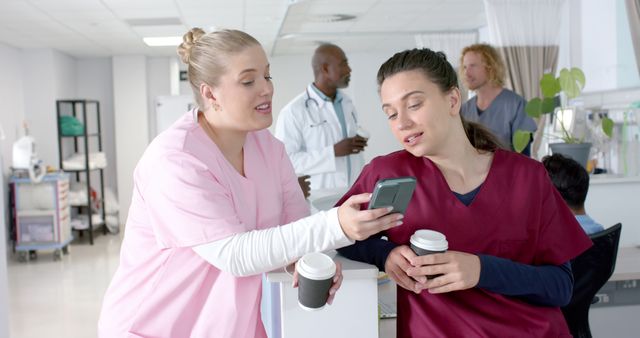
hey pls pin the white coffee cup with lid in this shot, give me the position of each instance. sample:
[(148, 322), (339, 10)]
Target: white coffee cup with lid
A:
[(362, 133), (315, 277), (426, 242)]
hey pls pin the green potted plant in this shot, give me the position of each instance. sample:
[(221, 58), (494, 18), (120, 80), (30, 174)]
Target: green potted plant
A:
[(570, 82)]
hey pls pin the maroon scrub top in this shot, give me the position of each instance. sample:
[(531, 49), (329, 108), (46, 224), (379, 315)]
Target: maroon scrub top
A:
[(517, 214)]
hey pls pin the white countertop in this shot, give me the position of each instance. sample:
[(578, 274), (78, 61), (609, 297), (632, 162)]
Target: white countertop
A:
[(627, 264), (350, 270), (608, 179)]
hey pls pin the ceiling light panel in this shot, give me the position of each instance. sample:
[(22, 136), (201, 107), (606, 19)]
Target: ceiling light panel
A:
[(162, 41)]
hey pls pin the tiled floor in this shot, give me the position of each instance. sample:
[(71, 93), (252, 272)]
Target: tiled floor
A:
[(61, 298)]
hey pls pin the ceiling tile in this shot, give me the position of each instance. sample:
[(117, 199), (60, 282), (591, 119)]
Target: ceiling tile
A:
[(74, 26)]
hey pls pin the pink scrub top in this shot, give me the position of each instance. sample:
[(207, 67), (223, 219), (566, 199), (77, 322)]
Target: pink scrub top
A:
[(186, 194), (517, 215)]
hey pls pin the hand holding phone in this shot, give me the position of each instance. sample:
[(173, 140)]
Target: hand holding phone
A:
[(394, 192), (359, 224)]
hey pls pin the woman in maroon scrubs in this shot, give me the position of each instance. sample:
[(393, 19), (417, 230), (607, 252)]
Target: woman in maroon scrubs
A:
[(510, 233)]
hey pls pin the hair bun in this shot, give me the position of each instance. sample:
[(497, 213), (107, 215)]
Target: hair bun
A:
[(189, 39)]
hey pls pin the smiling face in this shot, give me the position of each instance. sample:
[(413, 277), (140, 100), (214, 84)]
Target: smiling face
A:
[(420, 115), (243, 94)]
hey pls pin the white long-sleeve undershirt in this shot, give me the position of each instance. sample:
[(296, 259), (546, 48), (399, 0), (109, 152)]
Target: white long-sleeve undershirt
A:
[(259, 251)]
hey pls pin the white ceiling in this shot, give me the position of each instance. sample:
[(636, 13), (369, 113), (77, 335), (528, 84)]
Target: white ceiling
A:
[(89, 28)]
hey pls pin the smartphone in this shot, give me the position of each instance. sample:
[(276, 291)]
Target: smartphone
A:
[(395, 192)]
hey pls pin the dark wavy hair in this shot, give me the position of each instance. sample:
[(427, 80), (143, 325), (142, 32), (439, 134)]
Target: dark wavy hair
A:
[(435, 67)]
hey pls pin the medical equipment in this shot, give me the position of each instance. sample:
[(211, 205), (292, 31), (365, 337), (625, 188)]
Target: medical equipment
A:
[(315, 112), (25, 158), (308, 103)]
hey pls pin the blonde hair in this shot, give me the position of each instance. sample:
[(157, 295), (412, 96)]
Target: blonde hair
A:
[(493, 61), (206, 55)]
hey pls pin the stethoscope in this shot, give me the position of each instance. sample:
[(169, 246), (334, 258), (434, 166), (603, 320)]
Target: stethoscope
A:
[(314, 113)]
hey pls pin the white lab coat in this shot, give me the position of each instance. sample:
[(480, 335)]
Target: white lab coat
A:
[(309, 140)]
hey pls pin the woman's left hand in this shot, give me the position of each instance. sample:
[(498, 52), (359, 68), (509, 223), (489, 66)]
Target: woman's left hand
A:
[(337, 282), (458, 270)]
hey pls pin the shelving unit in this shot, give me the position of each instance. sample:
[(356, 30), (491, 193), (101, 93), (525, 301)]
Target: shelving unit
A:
[(88, 112)]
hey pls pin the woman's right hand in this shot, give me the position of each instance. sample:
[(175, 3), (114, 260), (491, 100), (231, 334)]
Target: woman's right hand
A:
[(396, 266), (360, 224)]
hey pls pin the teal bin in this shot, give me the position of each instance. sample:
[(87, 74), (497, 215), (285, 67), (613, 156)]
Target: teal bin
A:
[(71, 126)]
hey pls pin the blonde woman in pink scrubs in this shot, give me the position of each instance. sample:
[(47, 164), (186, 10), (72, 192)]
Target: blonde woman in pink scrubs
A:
[(215, 204)]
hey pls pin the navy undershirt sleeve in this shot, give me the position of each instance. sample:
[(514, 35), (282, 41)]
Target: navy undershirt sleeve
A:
[(548, 285), (373, 250)]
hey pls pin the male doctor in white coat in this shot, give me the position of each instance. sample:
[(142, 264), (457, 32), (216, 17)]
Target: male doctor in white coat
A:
[(318, 128)]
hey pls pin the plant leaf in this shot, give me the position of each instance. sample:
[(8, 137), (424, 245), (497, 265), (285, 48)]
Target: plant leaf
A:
[(571, 82), (578, 75), (549, 85), (534, 107), (548, 105), (607, 126), (520, 139)]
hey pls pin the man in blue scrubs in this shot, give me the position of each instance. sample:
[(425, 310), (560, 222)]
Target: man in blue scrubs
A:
[(497, 108)]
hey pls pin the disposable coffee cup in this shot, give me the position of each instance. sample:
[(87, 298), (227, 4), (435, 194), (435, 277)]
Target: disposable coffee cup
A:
[(426, 242), (315, 277), (362, 133)]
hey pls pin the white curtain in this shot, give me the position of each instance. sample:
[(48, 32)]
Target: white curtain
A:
[(451, 44), (524, 22), (527, 34), (529, 29), (633, 14)]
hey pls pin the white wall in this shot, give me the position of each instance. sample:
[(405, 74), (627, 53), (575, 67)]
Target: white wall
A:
[(11, 116), (365, 94), (11, 98), (4, 288), (184, 87), (48, 75), (599, 59), (39, 102), (94, 81), (291, 74), (131, 122), (607, 55), (158, 84), (64, 78), (628, 72)]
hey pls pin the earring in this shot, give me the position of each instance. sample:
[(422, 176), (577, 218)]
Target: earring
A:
[(216, 107)]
